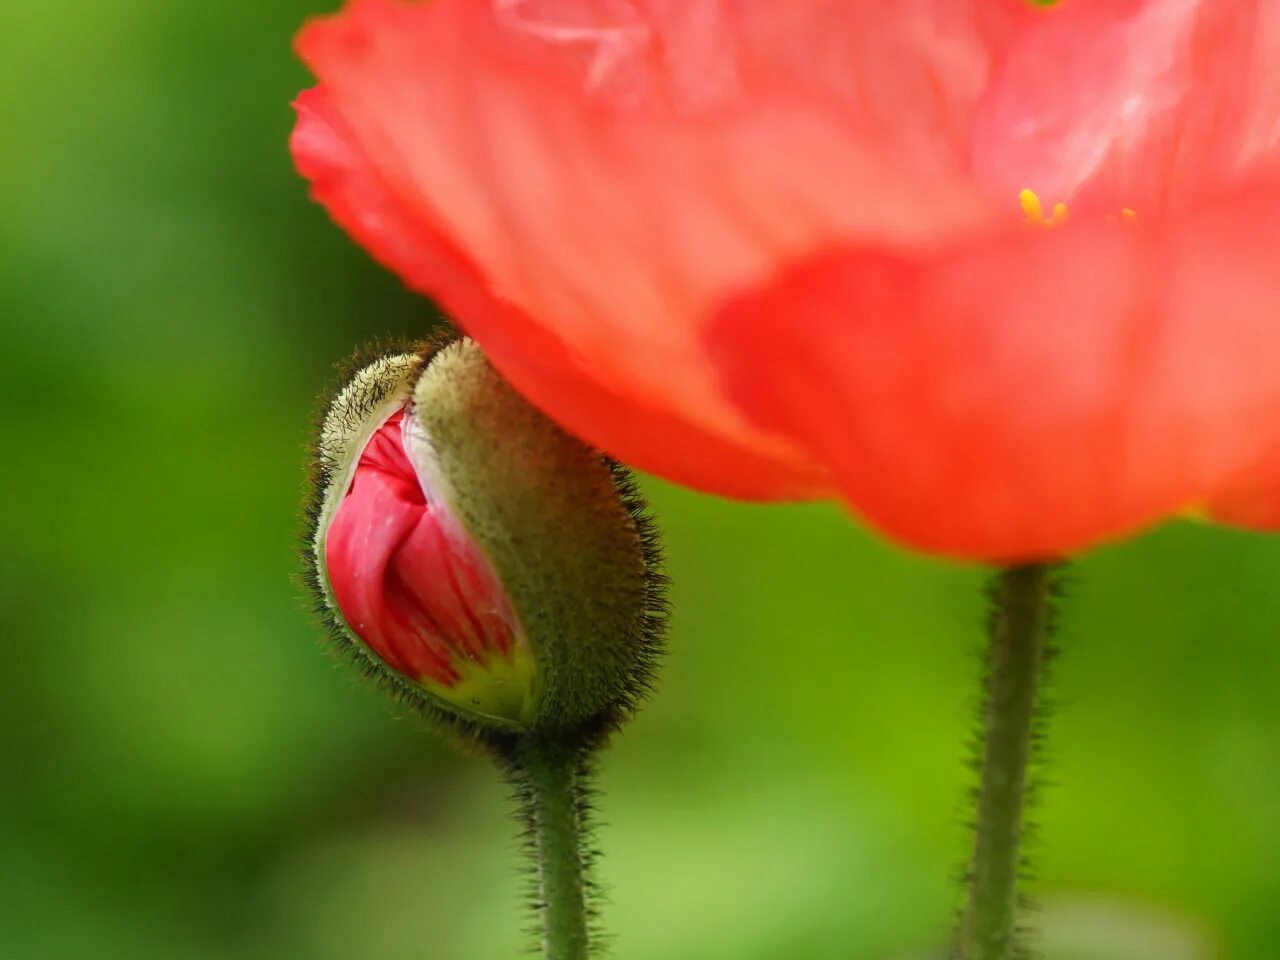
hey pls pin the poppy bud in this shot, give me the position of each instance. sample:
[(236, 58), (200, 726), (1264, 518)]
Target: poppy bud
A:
[(483, 564)]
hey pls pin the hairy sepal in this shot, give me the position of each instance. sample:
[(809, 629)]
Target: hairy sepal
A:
[(564, 528)]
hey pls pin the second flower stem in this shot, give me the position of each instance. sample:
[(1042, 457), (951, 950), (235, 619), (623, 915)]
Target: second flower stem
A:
[(1019, 640)]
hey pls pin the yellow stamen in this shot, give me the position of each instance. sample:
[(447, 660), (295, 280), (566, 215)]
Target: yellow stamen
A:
[(1033, 211), (1031, 208)]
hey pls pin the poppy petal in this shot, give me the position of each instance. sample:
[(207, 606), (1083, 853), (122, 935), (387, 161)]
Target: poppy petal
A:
[(608, 172), (1026, 396), (1252, 502), (633, 427), (1133, 103)]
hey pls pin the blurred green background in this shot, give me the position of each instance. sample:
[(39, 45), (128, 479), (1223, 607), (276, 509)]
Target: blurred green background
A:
[(186, 774)]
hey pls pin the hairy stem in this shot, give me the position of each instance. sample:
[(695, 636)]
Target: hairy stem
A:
[(1019, 637), (553, 784)]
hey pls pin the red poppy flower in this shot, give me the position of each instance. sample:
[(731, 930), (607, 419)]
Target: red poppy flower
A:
[(776, 250)]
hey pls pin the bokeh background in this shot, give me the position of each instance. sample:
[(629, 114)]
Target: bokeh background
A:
[(183, 772)]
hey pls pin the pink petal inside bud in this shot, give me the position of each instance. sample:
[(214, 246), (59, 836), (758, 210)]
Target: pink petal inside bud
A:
[(407, 579)]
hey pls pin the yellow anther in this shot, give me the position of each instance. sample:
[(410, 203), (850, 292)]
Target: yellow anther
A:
[(1031, 208), (1127, 216), (1033, 212)]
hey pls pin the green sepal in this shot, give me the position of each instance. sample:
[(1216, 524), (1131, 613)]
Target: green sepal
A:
[(564, 528)]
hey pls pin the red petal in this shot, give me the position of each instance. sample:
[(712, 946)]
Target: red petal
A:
[(1026, 396), (447, 575), (580, 183), (1137, 103), (631, 425), (406, 578), (1254, 501), (371, 523)]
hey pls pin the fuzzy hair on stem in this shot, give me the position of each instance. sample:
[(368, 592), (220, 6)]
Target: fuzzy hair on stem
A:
[(1009, 759), (554, 790)]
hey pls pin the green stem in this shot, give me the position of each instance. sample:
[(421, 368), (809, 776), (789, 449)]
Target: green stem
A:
[(553, 783), (1018, 641)]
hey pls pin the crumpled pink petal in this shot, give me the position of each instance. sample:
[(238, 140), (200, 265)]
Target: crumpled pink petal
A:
[(420, 597)]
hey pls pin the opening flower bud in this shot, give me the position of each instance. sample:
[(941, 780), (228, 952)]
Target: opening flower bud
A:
[(474, 557)]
